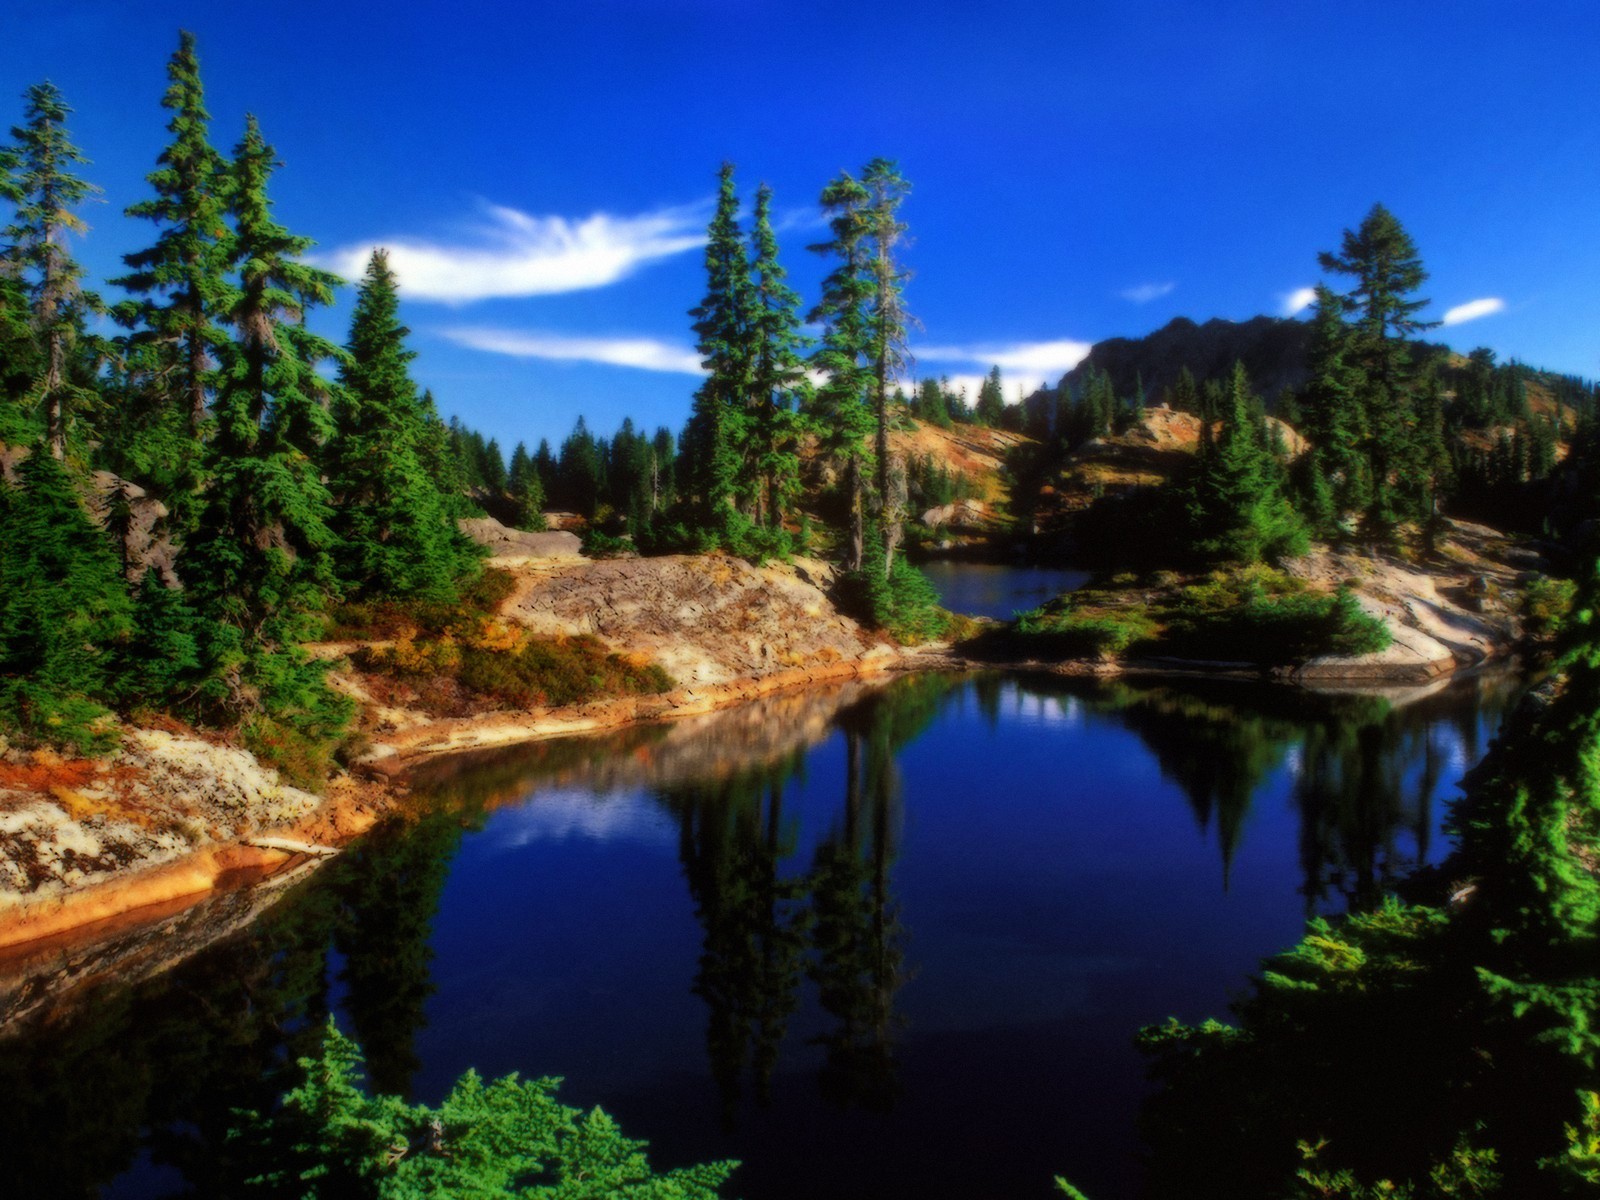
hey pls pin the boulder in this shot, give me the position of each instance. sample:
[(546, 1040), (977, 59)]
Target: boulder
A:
[(505, 542)]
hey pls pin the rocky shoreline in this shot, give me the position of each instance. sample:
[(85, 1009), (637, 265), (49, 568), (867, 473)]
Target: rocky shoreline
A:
[(101, 848)]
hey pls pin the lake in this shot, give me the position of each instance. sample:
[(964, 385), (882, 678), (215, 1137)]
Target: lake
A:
[(996, 590), (873, 941)]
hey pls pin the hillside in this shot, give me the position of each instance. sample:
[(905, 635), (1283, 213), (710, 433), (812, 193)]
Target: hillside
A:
[(1273, 350)]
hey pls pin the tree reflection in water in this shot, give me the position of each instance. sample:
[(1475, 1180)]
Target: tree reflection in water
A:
[(788, 915)]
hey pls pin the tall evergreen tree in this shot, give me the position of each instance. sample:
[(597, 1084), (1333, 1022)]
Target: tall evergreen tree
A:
[(1238, 510), (718, 423), (63, 605), (1332, 414), (181, 289), (48, 195), (259, 561), (19, 352), (887, 318), (992, 399), (580, 471), (842, 416), (526, 488), (778, 384), (1383, 261), (397, 531)]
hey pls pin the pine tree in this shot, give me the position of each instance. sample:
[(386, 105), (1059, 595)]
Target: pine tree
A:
[(182, 295), (886, 335), (991, 400), (48, 193), (397, 531), (778, 384), (19, 352), (1528, 828), (1382, 259), (931, 405), (580, 471), (663, 470), (1332, 415), (258, 565), (1239, 512), (841, 413), (491, 465), (63, 606), (526, 488), (1186, 393), (717, 428)]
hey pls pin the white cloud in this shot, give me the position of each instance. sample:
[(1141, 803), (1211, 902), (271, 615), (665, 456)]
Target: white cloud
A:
[(519, 254), (1298, 300), (1024, 366), (1060, 355), (1473, 309), (646, 354), (1015, 387), (1146, 292)]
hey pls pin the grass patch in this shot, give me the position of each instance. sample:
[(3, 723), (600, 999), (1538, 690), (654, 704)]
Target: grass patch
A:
[(510, 669), (1255, 615), (455, 660), (1546, 606), (371, 620)]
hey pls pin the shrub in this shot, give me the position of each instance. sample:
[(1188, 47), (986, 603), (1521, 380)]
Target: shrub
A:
[(1546, 605), (1256, 615), (904, 605), (512, 669), (1070, 633), (510, 1137)]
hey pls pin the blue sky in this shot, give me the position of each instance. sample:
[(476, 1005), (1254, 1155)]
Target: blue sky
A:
[(1079, 170)]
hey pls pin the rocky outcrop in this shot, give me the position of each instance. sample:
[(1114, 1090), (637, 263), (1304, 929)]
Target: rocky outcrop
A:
[(516, 544), (66, 825), (704, 619), (1456, 612)]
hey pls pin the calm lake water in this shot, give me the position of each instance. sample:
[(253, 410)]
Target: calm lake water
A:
[(996, 590), (874, 943)]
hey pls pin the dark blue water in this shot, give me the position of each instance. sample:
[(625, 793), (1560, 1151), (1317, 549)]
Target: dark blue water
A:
[(877, 943), (998, 591)]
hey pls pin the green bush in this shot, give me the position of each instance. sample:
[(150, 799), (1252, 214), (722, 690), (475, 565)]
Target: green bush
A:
[(331, 1140), (482, 597), (904, 604), (1546, 605), (1254, 615), (1069, 633)]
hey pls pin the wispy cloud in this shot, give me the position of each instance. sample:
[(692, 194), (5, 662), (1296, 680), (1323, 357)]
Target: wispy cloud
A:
[(1473, 309), (1297, 300), (1025, 365), (1014, 386), (1145, 292), (1061, 355), (514, 253), (645, 354)]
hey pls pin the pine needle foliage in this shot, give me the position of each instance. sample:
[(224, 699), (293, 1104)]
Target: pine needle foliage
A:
[(396, 529), (181, 293), (259, 564), (47, 196), (840, 409), (717, 428), (779, 388), (63, 608), (331, 1140), (1237, 509)]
